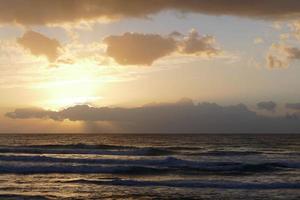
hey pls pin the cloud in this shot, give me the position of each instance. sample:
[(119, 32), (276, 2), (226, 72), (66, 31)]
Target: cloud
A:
[(199, 45), (293, 53), (33, 12), (183, 116), (274, 62), (40, 45), (296, 108), (267, 105), (176, 34), (26, 113), (281, 55), (144, 49), (293, 106), (139, 49), (295, 29)]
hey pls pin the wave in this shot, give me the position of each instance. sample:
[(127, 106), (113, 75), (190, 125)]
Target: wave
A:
[(169, 161), (120, 150), (44, 164), (115, 150), (191, 184), (88, 149), (80, 169)]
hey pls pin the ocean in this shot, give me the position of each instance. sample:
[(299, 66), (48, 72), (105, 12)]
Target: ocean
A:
[(181, 166)]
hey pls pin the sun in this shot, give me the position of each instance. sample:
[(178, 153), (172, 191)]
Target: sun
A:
[(72, 85)]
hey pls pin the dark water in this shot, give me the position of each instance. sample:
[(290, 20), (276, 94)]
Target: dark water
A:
[(150, 167)]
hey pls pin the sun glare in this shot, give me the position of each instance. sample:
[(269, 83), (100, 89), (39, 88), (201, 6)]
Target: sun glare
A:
[(72, 85), (71, 101)]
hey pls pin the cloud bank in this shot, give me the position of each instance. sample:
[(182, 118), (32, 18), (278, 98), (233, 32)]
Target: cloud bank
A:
[(181, 117), (267, 105), (144, 49), (33, 12), (293, 106), (40, 45)]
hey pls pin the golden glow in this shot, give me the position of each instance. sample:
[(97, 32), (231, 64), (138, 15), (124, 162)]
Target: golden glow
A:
[(70, 101), (71, 85)]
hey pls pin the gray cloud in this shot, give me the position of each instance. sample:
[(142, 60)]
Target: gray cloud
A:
[(183, 116), (267, 105), (40, 45), (293, 106), (31, 12), (36, 113), (144, 49)]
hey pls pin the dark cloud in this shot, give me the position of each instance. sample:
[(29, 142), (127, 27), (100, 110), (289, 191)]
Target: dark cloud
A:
[(293, 106), (27, 113), (183, 116), (40, 45), (293, 116), (267, 105), (144, 49), (60, 11)]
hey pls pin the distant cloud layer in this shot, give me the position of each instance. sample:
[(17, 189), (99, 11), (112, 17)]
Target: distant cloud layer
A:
[(40, 45), (144, 49), (183, 116), (30, 12), (293, 106), (267, 105)]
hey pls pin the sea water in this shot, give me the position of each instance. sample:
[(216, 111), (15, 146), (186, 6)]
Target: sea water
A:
[(181, 166)]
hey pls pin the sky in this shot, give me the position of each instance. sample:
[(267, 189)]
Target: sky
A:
[(162, 66)]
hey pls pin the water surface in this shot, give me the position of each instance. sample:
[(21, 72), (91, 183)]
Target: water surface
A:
[(150, 166)]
